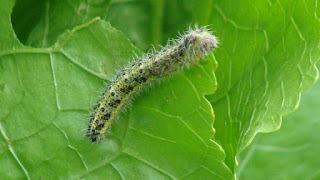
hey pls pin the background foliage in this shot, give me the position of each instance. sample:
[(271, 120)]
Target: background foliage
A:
[(55, 57)]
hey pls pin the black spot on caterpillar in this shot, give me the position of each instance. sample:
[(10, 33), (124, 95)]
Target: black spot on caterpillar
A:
[(194, 45)]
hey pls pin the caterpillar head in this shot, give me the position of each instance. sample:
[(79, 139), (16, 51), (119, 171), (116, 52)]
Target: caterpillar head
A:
[(200, 42)]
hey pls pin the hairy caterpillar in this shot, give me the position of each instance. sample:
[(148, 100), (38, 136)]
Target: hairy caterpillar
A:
[(194, 45)]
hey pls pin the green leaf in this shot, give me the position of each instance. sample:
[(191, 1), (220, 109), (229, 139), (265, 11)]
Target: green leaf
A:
[(291, 152), (47, 93), (266, 59)]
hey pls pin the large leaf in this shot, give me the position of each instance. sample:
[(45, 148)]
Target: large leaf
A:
[(290, 153), (267, 58), (47, 93)]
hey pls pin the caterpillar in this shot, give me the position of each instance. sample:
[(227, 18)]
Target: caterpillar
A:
[(195, 44)]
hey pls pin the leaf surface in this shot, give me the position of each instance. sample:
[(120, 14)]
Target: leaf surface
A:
[(47, 93), (266, 59)]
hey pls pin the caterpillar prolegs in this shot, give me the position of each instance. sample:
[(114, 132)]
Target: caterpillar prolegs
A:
[(194, 45)]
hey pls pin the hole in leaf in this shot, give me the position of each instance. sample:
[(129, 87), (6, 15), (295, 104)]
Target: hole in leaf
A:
[(25, 16)]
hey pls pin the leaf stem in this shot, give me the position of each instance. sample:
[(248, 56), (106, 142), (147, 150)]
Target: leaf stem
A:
[(156, 22)]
